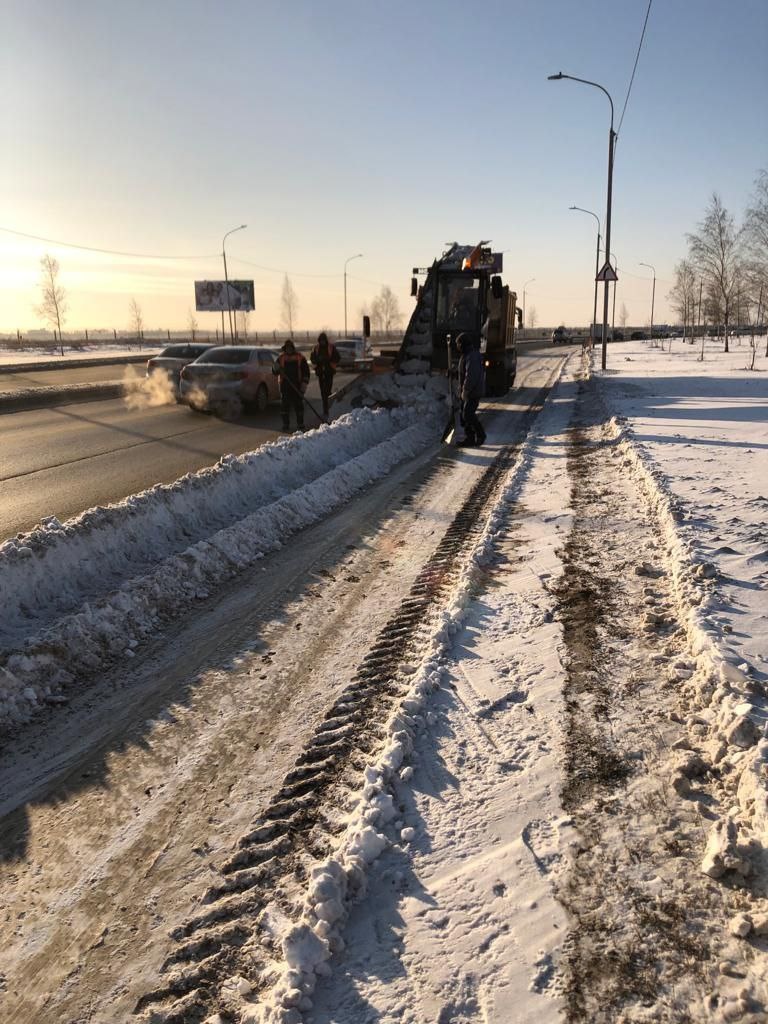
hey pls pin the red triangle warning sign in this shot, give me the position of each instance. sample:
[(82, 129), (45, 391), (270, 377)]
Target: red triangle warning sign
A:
[(607, 273)]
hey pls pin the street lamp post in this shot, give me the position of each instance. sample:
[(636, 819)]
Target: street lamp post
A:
[(226, 281), (597, 267), (529, 281), (357, 256), (653, 293), (611, 141)]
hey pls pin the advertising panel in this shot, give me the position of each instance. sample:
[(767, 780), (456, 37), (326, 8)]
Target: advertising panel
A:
[(214, 296)]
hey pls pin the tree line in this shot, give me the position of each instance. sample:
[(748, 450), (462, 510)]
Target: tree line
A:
[(723, 280), (384, 309)]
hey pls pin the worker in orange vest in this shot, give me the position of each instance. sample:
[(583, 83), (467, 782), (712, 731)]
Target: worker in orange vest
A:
[(293, 371), (325, 358)]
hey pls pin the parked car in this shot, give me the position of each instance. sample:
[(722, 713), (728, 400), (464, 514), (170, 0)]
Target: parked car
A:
[(351, 352), (174, 358), (560, 336), (618, 336), (637, 336), (231, 373)]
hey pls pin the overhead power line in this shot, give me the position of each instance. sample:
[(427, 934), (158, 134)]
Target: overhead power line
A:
[(274, 270), (108, 252), (634, 69)]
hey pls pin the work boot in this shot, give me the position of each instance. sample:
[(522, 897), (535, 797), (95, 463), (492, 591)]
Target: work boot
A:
[(286, 427), (466, 442)]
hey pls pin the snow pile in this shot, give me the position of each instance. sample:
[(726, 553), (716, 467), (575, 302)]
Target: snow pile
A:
[(729, 710), (82, 594), (395, 389), (341, 878)]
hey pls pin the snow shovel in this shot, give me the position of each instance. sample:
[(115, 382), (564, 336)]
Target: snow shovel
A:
[(304, 399), (449, 434)]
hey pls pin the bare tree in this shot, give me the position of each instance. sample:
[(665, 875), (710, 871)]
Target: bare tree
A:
[(682, 295), (385, 310), (241, 322), (532, 316), (715, 251), (623, 315), (756, 221), (192, 323), (289, 304), (54, 306), (137, 321)]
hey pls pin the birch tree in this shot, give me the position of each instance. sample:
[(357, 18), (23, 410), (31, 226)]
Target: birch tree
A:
[(682, 295), (53, 307), (715, 252), (137, 321), (385, 310), (289, 305)]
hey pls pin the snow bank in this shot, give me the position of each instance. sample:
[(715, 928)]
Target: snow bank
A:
[(340, 879), (394, 389), (727, 708), (77, 596)]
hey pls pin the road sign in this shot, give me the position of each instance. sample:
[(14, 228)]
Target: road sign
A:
[(607, 273)]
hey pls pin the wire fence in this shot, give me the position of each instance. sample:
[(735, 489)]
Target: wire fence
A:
[(74, 341)]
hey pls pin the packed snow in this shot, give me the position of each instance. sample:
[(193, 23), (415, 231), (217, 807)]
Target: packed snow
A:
[(47, 355), (453, 888), (83, 593), (459, 917)]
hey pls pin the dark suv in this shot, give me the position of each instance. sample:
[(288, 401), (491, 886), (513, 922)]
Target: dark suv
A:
[(560, 336)]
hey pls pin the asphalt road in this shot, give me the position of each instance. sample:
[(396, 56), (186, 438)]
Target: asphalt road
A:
[(62, 378), (60, 461)]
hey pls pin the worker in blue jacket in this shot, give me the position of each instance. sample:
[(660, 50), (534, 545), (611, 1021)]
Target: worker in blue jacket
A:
[(471, 389)]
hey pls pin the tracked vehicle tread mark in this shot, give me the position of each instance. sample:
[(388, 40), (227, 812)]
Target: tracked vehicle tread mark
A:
[(295, 818)]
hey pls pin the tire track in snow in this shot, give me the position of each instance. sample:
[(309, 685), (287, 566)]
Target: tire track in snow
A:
[(271, 869)]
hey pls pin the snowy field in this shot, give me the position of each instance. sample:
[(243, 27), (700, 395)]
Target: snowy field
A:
[(9, 357), (701, 427)]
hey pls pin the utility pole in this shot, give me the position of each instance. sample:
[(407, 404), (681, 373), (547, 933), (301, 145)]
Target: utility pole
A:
[(597, 270), (611, 147), (357, 256), (653, 294), (226, 282), (529, 281)]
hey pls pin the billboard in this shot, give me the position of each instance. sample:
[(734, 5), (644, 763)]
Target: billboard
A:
[(213, 296)]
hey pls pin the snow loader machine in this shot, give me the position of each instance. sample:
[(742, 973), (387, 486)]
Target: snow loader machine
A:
[(463, 294)]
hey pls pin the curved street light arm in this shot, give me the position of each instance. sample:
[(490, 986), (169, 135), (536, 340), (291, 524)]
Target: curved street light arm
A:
[(585, 81), (582, 210), (240, 228)]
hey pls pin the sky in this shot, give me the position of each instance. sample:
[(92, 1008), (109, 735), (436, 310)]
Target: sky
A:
[(155, 126)]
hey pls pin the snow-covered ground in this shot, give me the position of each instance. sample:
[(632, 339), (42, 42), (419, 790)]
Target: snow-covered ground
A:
[(558, 806), (464, 918), (703, 426), (81, 594), (10, 357)]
